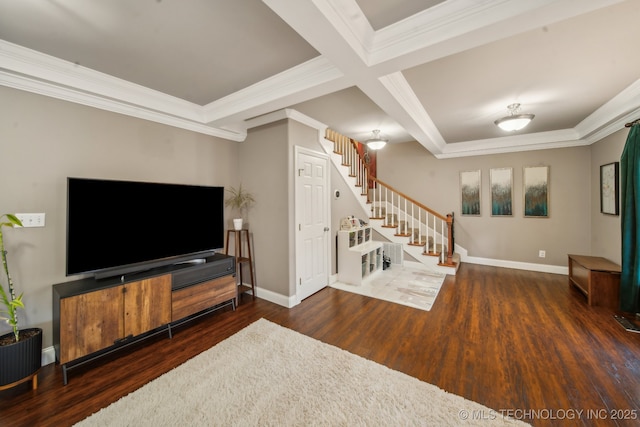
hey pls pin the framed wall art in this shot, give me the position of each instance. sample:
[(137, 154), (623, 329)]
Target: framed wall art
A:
[(470, 184), (609, 188), (536, 191), (501, 183)]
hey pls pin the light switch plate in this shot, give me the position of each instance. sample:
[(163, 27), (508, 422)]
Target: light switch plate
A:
[(31, 219)]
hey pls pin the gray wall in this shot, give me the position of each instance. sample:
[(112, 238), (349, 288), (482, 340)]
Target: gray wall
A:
[(265, 167), (267, 170), (44, 140), (606, 237), (575, 224), (436, 184)]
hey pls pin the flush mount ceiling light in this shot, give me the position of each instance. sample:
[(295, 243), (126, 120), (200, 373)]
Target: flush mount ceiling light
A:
[(514, 121), (376, 142)]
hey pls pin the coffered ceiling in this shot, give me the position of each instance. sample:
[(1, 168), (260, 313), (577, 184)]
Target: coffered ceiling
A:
[(437, 72)]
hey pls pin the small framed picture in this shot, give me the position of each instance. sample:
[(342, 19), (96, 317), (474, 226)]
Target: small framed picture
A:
[(609, 191), (501, 183), (536, 191), (470, 184)]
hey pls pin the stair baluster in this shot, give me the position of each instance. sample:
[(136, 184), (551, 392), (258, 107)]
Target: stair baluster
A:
[(395, 205)]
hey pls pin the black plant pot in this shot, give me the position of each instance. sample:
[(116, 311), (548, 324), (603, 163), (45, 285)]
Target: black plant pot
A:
[(20, 360)]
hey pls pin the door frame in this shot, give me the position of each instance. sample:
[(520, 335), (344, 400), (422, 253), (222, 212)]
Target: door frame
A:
[(297, 211)]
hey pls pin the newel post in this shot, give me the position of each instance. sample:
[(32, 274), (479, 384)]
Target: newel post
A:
[(450, 239)]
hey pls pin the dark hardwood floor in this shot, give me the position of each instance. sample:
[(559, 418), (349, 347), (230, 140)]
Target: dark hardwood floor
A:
[(519, 342)]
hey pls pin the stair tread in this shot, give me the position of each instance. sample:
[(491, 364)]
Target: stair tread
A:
[(396, 226)]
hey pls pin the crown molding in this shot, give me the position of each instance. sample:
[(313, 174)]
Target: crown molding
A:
[(513, 144), (23, 61), (32, 71), (609, 118), (303, 77), (612, 127), (287, 113), (443, 29), (28, 84), (457, 25), (442, 23), (612, 115)]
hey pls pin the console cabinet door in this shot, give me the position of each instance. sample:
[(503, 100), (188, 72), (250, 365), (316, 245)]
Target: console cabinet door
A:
[(90, 322), (147, 305)]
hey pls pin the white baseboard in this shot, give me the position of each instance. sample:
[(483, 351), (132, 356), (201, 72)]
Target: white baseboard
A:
[(276, 298), (48, 356), (529, 266)]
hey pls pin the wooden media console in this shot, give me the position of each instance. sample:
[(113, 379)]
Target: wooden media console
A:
[(92, 318)]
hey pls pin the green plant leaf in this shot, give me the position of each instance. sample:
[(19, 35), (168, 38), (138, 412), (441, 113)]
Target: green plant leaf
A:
[(8, 300)]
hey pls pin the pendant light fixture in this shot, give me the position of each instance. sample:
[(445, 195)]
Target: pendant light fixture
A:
[(514, 121), (376, 142)]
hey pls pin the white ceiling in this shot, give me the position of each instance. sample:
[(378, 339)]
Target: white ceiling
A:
[(437, 72)]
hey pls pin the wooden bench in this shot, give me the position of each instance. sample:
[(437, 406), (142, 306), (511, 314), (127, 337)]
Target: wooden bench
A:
[(598, 278)]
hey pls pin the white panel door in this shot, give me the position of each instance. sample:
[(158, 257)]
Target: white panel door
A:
[(312, 218)]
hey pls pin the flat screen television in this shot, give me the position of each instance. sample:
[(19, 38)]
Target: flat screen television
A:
[(120, 227)]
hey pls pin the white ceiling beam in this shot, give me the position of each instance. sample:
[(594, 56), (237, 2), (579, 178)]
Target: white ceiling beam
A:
[(351, 54), (375, 59), (294, 85)]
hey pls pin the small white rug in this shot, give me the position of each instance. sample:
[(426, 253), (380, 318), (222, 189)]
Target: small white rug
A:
[(410, 286), (267, 375)]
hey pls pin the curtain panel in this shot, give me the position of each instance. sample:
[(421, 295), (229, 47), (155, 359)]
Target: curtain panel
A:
[(630, 222)]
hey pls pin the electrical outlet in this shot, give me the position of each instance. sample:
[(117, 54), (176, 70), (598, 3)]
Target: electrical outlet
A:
[(31, 219), (542, 254)]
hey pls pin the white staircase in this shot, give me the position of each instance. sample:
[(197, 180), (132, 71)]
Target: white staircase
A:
[(422, 233)]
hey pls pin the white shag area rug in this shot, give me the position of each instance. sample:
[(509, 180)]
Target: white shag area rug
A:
[(268, 375), (410, 286)]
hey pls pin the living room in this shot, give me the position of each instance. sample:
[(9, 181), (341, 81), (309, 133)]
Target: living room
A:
[(73, 140), (46, 139)]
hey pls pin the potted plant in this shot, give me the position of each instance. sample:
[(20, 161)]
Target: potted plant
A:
[(240, 200), (20, 350)]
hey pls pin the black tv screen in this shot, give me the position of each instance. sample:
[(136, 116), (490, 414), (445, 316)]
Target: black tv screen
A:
[(118, 227)]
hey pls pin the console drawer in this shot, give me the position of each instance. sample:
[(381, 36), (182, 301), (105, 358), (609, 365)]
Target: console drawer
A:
[(195, 298)]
